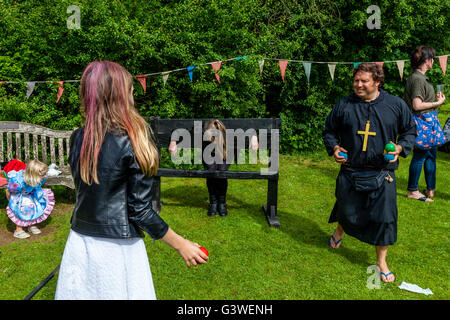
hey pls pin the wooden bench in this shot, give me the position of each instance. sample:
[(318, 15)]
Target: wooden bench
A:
[(163, 129), (25, 141)]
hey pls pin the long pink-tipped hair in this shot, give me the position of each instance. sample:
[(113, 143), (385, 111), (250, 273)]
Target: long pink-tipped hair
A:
[(107, 99)]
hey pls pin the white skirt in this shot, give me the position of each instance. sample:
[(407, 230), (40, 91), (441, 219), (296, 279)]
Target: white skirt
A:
[(94, 268)]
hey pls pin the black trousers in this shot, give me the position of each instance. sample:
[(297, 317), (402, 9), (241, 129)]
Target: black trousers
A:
[(217, 186)]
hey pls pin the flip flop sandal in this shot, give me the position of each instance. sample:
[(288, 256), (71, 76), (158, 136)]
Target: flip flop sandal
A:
[(424, 199), (426, 193), (386, 276), (334, 240)]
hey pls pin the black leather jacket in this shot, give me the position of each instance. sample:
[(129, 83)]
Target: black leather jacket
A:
[(120, 206)]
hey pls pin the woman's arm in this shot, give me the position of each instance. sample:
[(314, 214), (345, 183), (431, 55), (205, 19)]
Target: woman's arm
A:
[(419, 105), (188, 250), (141, 213)]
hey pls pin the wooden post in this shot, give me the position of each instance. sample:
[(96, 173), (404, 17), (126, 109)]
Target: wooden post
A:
[(44, 149), (270, 209), (18, 146), (1, 147), (26, 139), (61, 152), (156, 194), (9, 156), (35, 147)]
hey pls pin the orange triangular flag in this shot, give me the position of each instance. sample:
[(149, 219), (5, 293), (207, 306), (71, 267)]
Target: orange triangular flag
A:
[(283, 64), (380, 64), (60, 90), (216, 67), (142, 81), (443, 63)]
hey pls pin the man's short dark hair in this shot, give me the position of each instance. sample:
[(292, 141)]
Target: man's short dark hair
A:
[(375, 69)]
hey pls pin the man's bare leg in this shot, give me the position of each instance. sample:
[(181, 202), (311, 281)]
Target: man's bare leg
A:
[(381, 261)]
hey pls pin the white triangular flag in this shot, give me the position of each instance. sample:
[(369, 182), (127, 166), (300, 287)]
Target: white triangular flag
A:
[(261, 65), (332, 68), (30, 88), (165, 76), (307, 66), (401, 66)]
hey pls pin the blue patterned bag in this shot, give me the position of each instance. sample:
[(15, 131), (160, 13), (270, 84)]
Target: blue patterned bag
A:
[(429, 131)]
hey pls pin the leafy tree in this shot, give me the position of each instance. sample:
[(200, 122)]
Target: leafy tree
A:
[(154, 36)]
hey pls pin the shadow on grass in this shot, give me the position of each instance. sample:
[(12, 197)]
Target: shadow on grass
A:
[(196, 196), (302, 230), (308, 232), (330, 172), (190, 196)]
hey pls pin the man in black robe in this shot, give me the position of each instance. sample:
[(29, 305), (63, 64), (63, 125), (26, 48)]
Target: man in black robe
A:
[(360, 126)]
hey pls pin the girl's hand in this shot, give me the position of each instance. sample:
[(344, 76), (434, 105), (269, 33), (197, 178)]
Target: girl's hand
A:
[(172, 147), (192, 254), (189, 251), (254, 145)]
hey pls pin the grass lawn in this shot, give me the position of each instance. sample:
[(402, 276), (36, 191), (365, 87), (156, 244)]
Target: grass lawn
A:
[(444, 113), (250, 260)]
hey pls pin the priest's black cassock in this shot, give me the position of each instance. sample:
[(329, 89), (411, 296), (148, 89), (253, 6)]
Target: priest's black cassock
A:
[(363, 129)]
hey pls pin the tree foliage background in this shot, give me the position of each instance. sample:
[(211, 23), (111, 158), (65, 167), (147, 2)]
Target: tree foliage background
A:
[(147, 36)]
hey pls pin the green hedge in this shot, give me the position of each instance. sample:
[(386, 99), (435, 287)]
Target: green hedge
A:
[(154, 36)]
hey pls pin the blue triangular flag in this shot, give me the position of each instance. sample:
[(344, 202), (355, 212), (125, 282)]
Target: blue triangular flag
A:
[(355, 64), (190, 70), (240, 58), (307, 66)]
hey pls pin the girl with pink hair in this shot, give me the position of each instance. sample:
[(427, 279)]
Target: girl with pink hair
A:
[(112, 159)]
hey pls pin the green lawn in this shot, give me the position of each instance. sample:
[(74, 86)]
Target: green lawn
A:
[(249, 259), (444, 113)]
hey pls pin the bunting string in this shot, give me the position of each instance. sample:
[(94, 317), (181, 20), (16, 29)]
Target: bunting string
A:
[(283, 63)]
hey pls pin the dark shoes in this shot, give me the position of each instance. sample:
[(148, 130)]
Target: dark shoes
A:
[(212, 205), (217, 204), (222, 207)]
